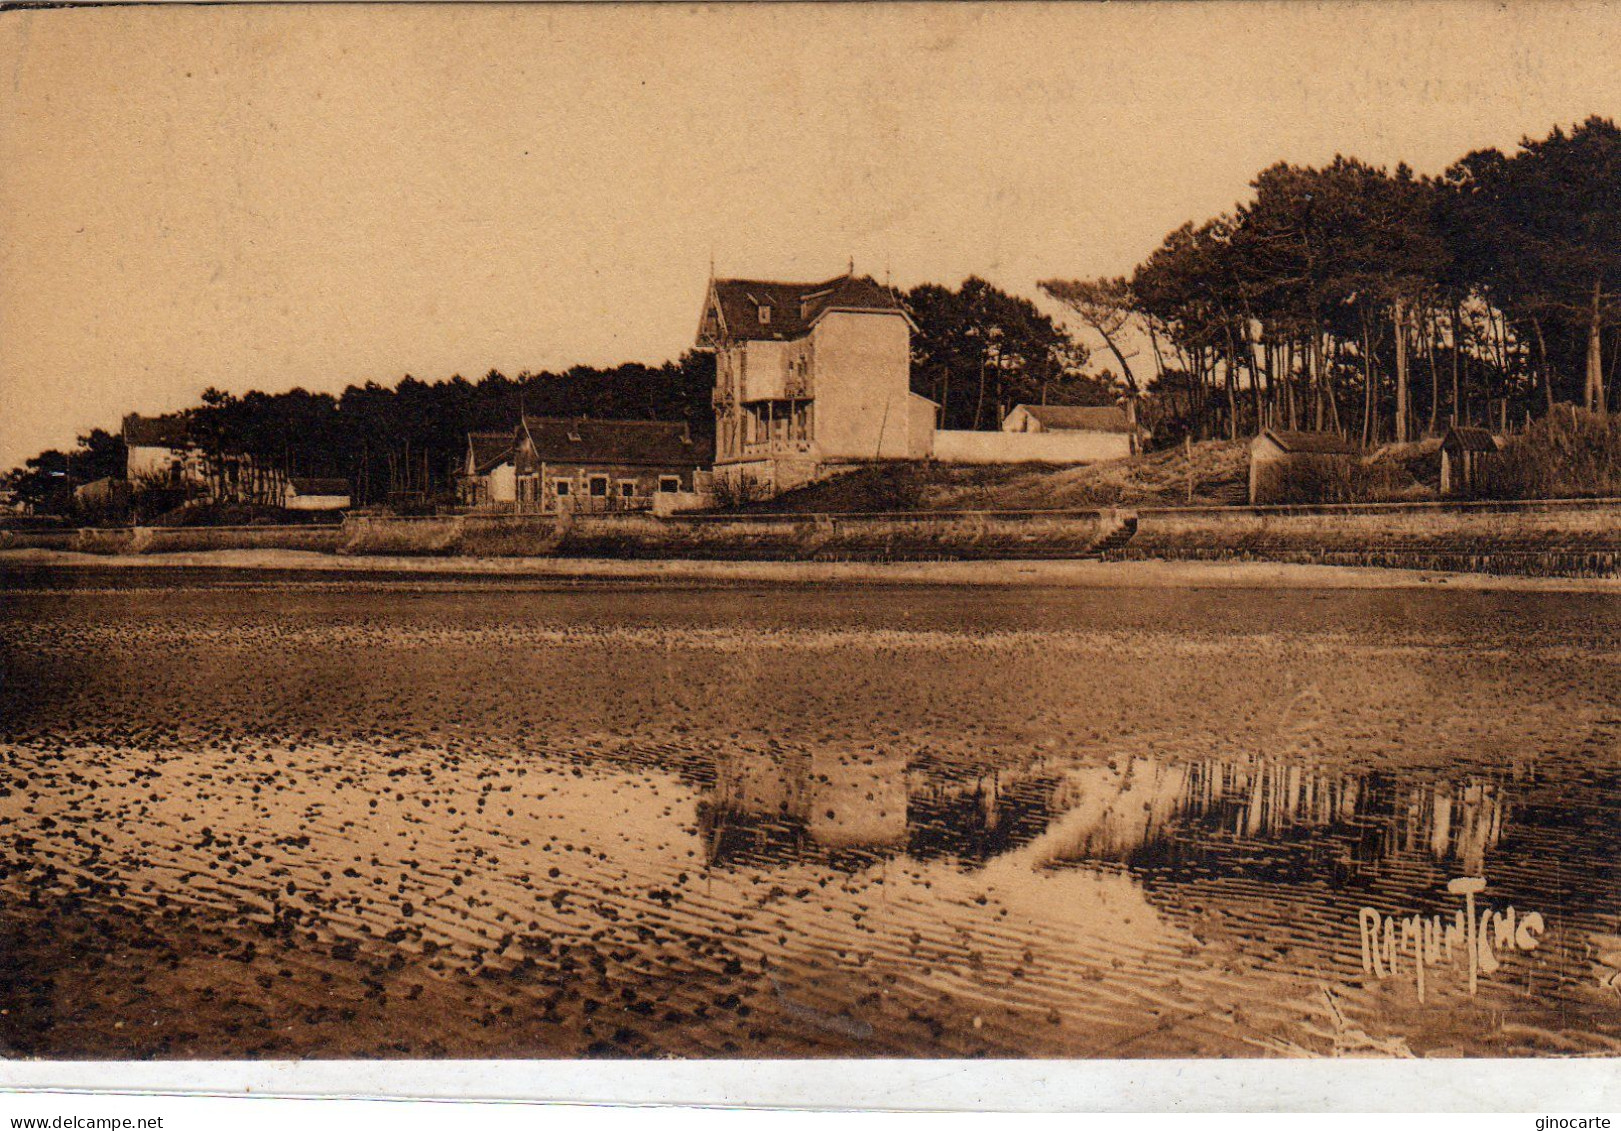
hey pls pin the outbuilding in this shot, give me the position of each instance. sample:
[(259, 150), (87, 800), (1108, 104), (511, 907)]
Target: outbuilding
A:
[(1100, 432), (489, 475), (1465, 454), (316, 495), (1288, 466)]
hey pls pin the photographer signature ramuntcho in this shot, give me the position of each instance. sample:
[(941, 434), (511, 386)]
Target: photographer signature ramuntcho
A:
[(1480, 934)]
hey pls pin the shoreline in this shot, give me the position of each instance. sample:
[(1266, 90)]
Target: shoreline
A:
[(1064, 573)]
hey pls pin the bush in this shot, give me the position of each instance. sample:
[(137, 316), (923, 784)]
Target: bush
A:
[(410, 536), (1568, 454), (1338, 480), (733, 493), (201, 513)]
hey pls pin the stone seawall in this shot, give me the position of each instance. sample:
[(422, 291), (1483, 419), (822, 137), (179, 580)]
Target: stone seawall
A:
[(1578, 538), (1574, 538), (175, 539), (862, 537)]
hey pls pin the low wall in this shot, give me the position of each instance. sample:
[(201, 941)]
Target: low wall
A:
[(174, 539), (862, 537), (858, 537), (1565, 538), (1580, 538), (956, 446), (470, 535)]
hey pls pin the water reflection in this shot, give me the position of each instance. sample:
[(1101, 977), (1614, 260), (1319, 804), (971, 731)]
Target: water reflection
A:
[(1272, 856), (1270, 816), (1366, 818), (780, 802)]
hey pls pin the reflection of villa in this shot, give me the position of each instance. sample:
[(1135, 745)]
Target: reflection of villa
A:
[(835, 799)]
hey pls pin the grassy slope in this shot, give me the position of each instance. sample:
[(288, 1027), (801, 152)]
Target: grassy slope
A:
[(1220, 475)]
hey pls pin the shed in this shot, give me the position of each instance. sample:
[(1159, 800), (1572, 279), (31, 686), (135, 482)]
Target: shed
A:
[(1113, 428), (316, 494), (489, 472), (1289, 466), (1465, 453)]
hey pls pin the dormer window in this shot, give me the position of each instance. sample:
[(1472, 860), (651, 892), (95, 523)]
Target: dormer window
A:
[(765, 315)]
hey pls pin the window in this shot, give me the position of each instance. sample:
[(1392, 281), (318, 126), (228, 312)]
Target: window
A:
[(562, 486), (599, 486), (627, 488), (669, 484), (765, 315)]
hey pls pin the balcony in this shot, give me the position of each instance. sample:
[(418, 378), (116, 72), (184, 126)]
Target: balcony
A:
[(778, 448)]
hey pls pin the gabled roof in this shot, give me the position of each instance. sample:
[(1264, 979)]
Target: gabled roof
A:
[(794, 307), (1079, 418), (652, 443), (489, 449), (1312, 443), (155, 431), (1471, 440), (320, 486)]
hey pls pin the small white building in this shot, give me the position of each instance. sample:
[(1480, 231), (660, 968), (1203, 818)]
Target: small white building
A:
[(489, 475), (316, 495), (158, 453), (1107, 431)]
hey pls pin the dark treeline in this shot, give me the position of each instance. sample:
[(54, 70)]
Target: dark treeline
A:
[(1379, 303), (977, 351), (404, 440), (409, 439)]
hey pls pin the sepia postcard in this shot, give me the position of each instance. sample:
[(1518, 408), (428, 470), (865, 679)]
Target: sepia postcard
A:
[(873, 536)]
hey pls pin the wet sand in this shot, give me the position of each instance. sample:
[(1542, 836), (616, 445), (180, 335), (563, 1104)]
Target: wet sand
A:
[(356, 819)]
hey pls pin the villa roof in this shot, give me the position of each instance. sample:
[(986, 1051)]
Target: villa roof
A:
[(155, 431), (582, 440), (794, 307)]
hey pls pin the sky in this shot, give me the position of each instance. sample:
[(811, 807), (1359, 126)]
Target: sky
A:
[(278, 196)]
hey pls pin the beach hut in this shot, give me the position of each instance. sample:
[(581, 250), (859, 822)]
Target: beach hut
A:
[(1287, 466), (1465, 453)]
